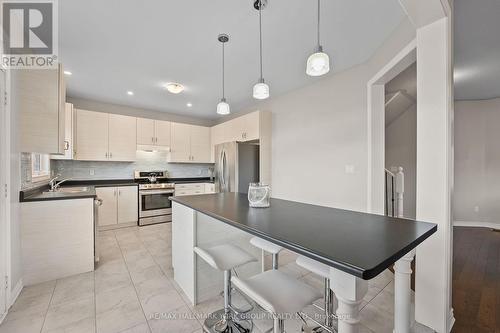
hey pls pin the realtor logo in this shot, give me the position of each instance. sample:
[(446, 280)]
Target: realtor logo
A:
[(29, 34)]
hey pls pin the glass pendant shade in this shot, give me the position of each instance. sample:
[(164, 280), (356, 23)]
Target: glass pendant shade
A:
[(260, 90), (223, 107), (318, 64)]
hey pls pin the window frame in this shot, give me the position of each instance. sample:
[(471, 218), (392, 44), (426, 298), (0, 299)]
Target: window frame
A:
[(42, 172)]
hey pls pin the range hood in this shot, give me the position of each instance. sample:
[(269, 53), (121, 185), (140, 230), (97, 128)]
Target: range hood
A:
[(152, 148)]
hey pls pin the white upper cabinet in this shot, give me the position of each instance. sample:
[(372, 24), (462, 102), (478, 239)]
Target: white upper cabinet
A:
[(68, 135), (200, 144), (153, 132), (91, 136), (244, 128), (105, 137), (38, 98), (250, 126), (122, 138), (190, 144), (145, 131), (181, 143), (163, 133)]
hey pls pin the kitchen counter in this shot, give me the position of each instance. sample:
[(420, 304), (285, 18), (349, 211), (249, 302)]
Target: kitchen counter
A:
[(360, 244), (40, 194)]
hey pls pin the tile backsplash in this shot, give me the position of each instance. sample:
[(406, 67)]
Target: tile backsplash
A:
[(83, 170)]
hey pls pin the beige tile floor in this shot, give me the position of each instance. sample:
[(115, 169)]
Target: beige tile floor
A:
[(132, 290)]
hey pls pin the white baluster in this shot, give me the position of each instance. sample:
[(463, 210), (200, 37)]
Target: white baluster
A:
[(399, 189), (402, 293), (349, 291)]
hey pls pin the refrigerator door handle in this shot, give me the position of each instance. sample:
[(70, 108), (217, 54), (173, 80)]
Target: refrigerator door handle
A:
[(220, 171), (223, 170)]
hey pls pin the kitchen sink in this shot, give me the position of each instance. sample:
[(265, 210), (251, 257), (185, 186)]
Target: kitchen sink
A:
[(78, 189)]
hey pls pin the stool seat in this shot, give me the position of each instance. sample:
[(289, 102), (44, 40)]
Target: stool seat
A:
[(314, 266), (265, 245), (276, 292), (225, 257)]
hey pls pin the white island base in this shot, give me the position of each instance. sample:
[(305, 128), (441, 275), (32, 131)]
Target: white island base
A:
[(197, 279)]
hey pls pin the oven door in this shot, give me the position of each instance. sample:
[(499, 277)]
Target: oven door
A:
[(155, 202)]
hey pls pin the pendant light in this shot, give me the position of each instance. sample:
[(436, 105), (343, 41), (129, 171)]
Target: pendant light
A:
[(318, 63), (260, 89), (223, 107)]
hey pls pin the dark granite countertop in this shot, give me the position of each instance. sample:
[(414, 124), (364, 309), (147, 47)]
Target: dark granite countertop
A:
[(40, 194), (360, 244)]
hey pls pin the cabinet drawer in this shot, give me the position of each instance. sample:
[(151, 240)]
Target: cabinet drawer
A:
[(192, 186)]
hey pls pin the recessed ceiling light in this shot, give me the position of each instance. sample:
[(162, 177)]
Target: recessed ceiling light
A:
[(189, 105), (68, 73), (174, 88), (130, 93)]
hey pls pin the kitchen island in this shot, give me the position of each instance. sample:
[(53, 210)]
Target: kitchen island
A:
[(357, 246)]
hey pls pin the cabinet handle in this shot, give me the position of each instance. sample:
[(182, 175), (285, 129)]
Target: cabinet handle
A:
[(114, 193), (119, 192), (152, 139), (156, 139), (106, 155), (110, 155)]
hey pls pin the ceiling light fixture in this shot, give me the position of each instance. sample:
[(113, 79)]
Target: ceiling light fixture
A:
[(260, 89), (130, 93), (189, 105), (174, 88), (223, 107), (68, 73), (318, 63)]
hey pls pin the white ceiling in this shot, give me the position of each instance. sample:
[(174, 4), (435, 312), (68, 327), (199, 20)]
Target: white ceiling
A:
[(113, 46), (477, 49), (400, 94)]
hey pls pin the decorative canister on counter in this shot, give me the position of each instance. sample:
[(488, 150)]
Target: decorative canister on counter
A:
[(259, 195)]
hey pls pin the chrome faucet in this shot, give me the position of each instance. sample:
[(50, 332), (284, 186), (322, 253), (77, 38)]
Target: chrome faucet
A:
[(55, 185)]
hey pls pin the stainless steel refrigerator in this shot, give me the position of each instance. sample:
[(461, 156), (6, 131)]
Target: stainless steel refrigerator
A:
[(236, 165)]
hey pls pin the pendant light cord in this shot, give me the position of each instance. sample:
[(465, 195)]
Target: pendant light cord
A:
[(223, 73), (319, 18), (260, 38)]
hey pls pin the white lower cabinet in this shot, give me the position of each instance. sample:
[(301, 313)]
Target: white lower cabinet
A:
[(194, 189), (57, 239), (127, 204), (119, 206)]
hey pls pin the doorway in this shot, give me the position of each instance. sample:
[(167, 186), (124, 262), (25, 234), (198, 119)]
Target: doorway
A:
[(401, 144)]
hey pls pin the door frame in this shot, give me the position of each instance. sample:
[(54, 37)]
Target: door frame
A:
[(5, 196), (376, 124)]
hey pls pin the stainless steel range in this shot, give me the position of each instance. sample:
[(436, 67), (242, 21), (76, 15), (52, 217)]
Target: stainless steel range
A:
[(154, 197)]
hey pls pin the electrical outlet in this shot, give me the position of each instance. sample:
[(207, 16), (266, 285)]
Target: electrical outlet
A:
[(91, 172), (350, 169)]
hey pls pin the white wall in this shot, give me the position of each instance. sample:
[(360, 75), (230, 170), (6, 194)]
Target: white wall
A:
[(401, 150), (477, 162), (320, 129)]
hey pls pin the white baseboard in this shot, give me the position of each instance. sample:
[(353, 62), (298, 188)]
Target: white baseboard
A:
[(451, 320), (477, 224), (14, 294), (2, 316)]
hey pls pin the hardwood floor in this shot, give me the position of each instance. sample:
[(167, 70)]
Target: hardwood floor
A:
[(476, 280)]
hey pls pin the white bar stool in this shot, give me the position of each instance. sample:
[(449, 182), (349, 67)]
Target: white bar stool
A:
[(323, 271), (277, 293), (225, 258), (269, 247)]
